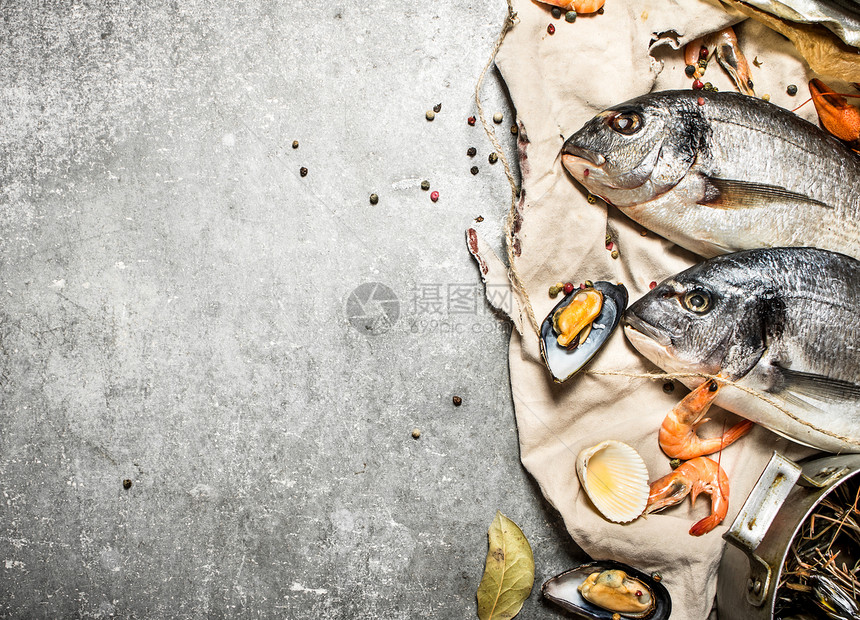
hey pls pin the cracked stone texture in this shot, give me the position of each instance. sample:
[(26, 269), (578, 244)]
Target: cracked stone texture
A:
[(175, 313)]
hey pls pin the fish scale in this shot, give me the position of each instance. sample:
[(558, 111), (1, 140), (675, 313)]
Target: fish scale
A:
[(731, 174)]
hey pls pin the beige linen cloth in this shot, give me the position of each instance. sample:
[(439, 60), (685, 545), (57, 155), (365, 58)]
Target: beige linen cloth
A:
[(557, 82)]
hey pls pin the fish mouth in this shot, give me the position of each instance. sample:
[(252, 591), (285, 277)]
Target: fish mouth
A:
[(658, 354), (635, 323), (571, 150), (580, 167), (578, 155)]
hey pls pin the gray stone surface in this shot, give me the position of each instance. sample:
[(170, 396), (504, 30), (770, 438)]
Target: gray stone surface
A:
[(175, 313)]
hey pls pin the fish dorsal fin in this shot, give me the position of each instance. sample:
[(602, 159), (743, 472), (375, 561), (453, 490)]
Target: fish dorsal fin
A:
[(815, 386), (731, 194)]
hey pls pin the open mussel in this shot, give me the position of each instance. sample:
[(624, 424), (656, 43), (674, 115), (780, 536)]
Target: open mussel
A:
[(605, 590), (579, 325)]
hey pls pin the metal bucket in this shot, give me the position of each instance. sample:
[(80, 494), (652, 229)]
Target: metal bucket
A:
[(760, 537)]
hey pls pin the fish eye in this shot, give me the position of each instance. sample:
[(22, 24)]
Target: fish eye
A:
[(697, 301), (626, 123)]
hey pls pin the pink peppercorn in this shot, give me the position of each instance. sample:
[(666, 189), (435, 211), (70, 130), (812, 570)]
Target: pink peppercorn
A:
[(471, 120), (700, 101), (568, 288), (609, 245), (653, 285), (434, 196), (698, 85), (550, 29)]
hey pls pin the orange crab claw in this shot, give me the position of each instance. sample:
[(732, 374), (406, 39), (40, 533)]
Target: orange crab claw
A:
[(835, 113)]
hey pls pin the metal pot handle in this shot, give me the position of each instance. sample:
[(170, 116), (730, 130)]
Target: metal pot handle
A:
[(755, 518)]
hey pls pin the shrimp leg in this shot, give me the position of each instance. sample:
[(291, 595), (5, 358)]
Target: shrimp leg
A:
[(696, 476), (678, 437)]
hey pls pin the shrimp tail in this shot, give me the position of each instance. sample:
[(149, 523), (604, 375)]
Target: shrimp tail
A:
[(706, 525), (736, 432)]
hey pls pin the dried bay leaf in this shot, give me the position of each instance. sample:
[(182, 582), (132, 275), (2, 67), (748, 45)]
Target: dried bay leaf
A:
[(509, 573)]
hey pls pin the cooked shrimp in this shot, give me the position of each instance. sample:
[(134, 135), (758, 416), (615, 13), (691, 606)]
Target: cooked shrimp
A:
[(699, 475), (678, 437), (732, 59), (723, 45), (587, 6), (693, 50), (582, 7)]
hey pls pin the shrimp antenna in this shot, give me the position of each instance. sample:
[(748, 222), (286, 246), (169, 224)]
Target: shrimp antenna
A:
[(823, 95), (802, 104), (720, 457)]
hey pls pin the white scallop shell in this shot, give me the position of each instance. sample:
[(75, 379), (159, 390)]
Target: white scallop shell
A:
[(615, 478)]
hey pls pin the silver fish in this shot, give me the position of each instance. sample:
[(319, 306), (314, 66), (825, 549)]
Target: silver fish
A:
[(784, 322), (734, 173)]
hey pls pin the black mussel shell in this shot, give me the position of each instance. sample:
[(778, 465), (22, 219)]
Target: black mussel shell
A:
[(563, 363), (562, 590), (833, 599)]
